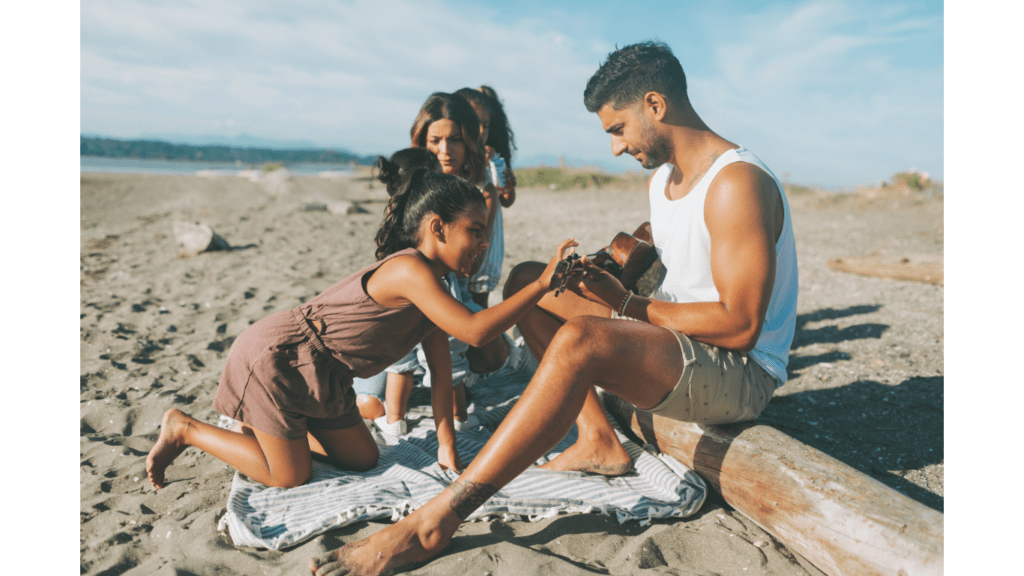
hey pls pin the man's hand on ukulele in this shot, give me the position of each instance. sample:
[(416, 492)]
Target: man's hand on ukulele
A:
[(597, 285)]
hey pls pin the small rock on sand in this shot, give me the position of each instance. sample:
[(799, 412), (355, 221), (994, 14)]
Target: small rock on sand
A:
[(196, 237)]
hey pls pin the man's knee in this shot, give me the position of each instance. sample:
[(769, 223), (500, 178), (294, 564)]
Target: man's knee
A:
[(521, 275), (582, 336)]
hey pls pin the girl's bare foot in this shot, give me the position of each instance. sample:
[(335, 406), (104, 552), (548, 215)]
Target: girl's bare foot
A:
[(168, 446), (605, 458)]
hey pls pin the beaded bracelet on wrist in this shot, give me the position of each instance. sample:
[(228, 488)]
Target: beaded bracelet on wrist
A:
[(625, 302)]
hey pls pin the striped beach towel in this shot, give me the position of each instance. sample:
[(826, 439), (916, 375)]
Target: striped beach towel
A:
[(408, 476)]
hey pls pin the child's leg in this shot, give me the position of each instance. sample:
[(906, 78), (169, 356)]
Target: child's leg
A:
[(350, 448), (360, 456), (370, 394), (264, 458), (369, 407), (399, 387), (489, 357), (459, 401), (480, 298)]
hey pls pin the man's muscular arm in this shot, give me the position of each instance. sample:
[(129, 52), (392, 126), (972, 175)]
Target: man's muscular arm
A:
[(744, 217), (743, 214)]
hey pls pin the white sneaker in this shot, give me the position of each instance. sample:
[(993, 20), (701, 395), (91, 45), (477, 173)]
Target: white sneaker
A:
[(471, 422), (394, 428)]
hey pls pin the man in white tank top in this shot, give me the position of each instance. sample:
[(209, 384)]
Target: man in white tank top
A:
[(710, 346)]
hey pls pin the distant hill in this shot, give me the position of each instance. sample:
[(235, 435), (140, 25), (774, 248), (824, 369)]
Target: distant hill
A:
[(154, 149), (237, 141)]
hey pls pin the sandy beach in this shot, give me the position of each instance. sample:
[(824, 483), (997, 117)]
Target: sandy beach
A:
[(866, 367)]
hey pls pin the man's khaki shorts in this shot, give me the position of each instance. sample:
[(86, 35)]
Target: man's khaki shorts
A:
[(717, 386)]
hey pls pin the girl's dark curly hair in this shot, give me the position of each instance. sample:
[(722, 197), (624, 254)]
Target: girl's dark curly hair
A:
[(501, 137), (418, 193), (389, 170)]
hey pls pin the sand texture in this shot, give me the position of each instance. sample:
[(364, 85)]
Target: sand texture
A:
[(866, 368)]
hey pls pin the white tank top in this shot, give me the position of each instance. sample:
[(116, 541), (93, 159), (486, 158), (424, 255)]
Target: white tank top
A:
[(682, 240)]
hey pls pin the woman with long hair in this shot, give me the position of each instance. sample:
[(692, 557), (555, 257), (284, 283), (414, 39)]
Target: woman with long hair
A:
[(448, 126)]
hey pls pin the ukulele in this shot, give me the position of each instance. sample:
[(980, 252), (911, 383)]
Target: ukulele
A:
[(629, 257)]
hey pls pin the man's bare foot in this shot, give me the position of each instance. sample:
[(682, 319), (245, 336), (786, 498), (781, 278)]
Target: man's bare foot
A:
[(168, 446), (410, 540), (604, 458)]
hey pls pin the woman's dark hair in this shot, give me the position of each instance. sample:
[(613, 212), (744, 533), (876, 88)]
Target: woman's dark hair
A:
[(390, 171), (418, 193), (501, 137), (477, 99), (444, 106)]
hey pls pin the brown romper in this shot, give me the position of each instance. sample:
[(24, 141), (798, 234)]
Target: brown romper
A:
[(283, 378)]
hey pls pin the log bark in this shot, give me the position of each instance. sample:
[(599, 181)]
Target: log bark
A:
[(842, 521), (919, 267)]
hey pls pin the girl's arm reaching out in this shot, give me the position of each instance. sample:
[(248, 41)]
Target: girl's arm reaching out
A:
[(408, 278), (439, 362)]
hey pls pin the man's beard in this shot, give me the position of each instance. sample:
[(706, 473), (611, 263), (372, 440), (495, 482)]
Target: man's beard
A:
[(657, 148)]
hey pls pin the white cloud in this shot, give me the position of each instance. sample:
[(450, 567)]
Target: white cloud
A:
[(355, 73), (820, 92), (788, 82)]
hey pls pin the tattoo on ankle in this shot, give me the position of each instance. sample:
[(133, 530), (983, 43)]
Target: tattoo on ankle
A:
[(606, 469), (469, 496)]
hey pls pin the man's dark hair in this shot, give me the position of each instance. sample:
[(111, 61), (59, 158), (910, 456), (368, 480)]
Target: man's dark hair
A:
[(632, 71)]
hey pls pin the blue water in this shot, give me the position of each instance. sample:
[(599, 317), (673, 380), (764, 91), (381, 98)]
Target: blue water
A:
[(141, 166)]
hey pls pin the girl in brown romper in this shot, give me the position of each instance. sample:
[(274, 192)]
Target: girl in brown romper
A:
[(288, 377)]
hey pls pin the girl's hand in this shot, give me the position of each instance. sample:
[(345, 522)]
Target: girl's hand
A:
[(566, 248), (448, 458), (507, 194)]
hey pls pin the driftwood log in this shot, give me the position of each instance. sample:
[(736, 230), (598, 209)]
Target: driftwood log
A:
[(839, 519), (919, 267)]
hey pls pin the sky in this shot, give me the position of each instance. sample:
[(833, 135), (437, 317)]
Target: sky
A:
[(832, 93)]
